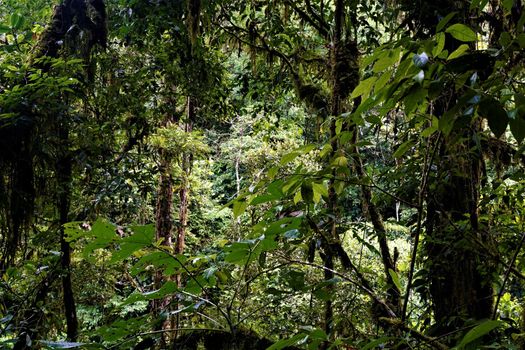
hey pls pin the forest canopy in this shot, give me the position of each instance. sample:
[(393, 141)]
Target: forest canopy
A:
[(281, 174)]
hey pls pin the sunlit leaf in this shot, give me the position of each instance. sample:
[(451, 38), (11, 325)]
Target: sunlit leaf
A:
[(364, 87), (460, 51), (461, 32)]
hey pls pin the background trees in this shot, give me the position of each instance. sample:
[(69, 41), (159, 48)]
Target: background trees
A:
[(261, 174)]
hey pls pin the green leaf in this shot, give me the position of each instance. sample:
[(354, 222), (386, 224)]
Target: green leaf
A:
[(364, 87), (474, 4), (318, 334), (497, 117), (239, 206), (517, 127), (387, 59), (507, 5), (238, 253), (4, 29), (74, 230), (307, 192), (104, 233), (519, 102), (272, 172), (446, 122), (403, 148), (395, 278), (168, 288), (320, 189), (375, 343), (440, 44), (383, 80), (340, 161), (291, 185), (431, 129), (294, 279), (160, 260), (461, 32), (521, 39), (281, 344), (264, 198), (238, 257), (478, 331), (445, 21), (287, 158), (460, 51), (17, 20), (142, 237)]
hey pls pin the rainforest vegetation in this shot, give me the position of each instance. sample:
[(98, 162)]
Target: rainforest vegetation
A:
[(262, 174)]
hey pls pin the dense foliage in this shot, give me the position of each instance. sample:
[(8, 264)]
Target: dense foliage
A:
[(262, 174)]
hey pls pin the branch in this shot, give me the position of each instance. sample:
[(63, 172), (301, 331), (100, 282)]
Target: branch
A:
[(429, 340), (323, 31), (507, 273), (258, 47), (315, 15), (370, 293), (427, 165)]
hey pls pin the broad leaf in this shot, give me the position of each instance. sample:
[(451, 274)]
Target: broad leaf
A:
[(395, 278), (478, 331), (461, 32), (281, 344), (143, 236), (440, 44), (403, 148), (492, 109), (460, 51), (445, 21), (364, 88)]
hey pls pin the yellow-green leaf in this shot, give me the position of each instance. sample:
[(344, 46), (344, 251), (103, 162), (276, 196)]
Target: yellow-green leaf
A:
[(395, 278), (364, 87), (440, 44), (461, 32), (460, 51)]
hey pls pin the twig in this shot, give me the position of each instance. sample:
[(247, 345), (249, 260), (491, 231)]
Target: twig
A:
[(401, 325), (422, 188), (348, 279), (507, 273)]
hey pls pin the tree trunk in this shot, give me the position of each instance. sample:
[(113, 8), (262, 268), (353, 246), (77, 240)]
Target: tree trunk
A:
[(186, 166), (460, 277), (63, 173), (163, 232)]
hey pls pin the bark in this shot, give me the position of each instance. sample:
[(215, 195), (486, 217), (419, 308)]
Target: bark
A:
[(163, 219), (89, 18), (184, 192), (335, 109), (460, 277), (393, 293), (163, 232), (63, 173), (184, 198)]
